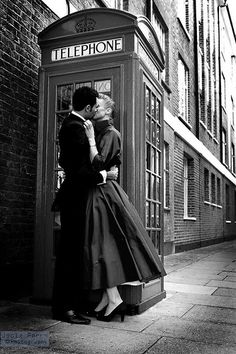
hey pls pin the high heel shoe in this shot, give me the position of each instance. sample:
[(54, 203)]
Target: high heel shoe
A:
[(119, 310), (100, 313)]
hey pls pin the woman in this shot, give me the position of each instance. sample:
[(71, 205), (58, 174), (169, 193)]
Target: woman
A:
[(117, 246)]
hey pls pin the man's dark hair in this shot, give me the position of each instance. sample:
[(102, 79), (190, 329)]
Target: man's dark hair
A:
[(84, 96)]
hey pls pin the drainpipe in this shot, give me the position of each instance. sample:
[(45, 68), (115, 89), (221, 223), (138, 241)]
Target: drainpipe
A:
[(196, 67), (68, 7), (220, 86)]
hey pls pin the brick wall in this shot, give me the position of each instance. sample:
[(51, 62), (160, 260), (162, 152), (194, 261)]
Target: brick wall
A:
[(20, 21)]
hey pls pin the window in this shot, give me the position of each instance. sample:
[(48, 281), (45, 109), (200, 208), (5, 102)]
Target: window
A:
[(189, 205), (224, 147), (166, 176), (227, 202), (232, 112), (233, 69), (233, 158), (218, 191), (117, 4), (161, 31), (206, 185), (234, 206), (223, 91), (60, 7), (183, 89), (183, 13), (213, 188)]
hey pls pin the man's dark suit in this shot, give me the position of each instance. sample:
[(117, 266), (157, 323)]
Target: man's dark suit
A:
[(71, 198)]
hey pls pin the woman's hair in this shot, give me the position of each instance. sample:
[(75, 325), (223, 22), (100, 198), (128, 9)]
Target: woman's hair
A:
[(109, 103), (84, 96)]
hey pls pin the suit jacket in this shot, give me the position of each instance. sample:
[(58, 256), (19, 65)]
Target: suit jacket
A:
[(74, 159)]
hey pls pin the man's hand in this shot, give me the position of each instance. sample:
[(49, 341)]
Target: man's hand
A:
[(113, 173), (89, 130)]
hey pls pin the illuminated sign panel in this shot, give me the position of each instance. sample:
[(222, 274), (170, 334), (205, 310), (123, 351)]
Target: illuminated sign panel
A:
[(87, 49)]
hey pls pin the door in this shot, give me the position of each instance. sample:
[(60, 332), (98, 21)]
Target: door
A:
[(59, 103)]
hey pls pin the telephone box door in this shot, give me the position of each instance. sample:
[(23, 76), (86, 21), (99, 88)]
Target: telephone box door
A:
[(61, 88)]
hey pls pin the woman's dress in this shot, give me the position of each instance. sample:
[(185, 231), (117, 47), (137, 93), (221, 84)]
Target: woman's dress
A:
[(117, 248)]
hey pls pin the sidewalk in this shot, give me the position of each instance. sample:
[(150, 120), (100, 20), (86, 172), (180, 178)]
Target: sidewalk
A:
[(198, 315)]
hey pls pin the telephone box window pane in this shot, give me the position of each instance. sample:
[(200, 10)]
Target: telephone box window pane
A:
[(60, 118), (147, 100), (148, 214), (153, 187), (64, 97), (153, 215), (158, 110), (157, 142), (153, 106), (154, 237), (148, 128), (157, 162), (154, 128), (153, 167), (103, 86), (158, 189), (81, 84), (148, 185), (148, 159), (157, 215)]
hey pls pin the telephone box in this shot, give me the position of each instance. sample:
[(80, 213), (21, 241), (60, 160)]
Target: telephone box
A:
[(118, 54)]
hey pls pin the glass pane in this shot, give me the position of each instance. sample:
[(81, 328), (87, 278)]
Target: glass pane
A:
[(103, 86), (153, 215), (147, 100), (154, 187), (157, 163), (157, 142), (81, 84), (153, 152), (147, 185), (148, 159), (158, 110), (154, 237), (64, 97), (157, 215), (157, 189), (148, 128), (153, 106), (60, 176), (148, 214), (59, 117), (154, 132)]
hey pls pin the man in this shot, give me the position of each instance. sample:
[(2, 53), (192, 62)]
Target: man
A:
[(71, 198)]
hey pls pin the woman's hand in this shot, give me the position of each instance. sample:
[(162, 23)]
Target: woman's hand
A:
[(89, 130), (113, 173)]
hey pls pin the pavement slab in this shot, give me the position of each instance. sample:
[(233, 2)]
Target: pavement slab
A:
[(225, 292), (186, 288), (222, 284), (168, 345), (211, 314), (204, 332), (99, 340), (166, 308), (201, 299), (230, 278), (190, 281), (225, 274)]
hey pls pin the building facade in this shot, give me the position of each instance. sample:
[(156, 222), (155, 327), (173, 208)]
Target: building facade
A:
[(199, 47)]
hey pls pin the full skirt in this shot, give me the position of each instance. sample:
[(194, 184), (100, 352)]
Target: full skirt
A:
[(117, 248)]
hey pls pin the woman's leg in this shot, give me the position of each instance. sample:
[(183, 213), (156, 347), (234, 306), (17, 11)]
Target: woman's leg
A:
[(114, 299), (103, 302)]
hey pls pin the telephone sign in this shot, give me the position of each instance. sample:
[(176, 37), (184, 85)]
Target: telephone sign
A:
[(87, 49)]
